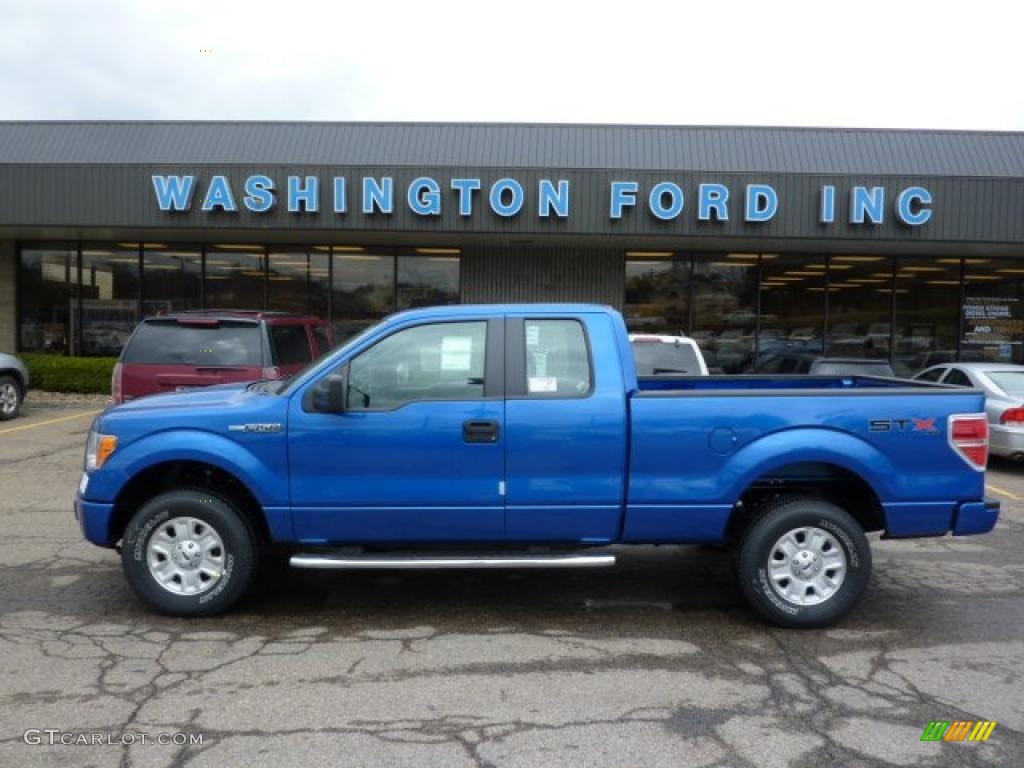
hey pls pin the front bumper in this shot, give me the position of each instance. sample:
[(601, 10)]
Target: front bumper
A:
[(973, 517), (95, 518)]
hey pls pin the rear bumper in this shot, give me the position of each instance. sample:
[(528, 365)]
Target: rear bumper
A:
[(1006, 441), (94, 518), (974, 517)]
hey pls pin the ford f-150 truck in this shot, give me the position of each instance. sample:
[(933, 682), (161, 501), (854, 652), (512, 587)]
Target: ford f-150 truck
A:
[(520, 436)]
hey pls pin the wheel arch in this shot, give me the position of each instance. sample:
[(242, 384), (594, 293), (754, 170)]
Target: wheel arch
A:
[(836, 483), (174, 474)]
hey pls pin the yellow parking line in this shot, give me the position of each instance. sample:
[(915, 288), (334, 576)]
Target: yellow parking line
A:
[(50, 421), (1001, 492)]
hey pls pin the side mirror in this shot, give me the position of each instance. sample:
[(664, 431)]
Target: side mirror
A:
[(329, 393)]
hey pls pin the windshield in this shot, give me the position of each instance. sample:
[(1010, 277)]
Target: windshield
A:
[(1011, 382), (655, 357)]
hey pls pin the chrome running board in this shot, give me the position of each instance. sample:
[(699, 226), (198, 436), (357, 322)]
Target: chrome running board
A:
[(368, 562)]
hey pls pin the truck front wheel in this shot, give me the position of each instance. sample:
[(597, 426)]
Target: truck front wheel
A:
[(803, 563), (189, 553)]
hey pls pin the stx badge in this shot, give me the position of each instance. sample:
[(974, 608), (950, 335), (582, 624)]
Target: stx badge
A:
[(904, 425)]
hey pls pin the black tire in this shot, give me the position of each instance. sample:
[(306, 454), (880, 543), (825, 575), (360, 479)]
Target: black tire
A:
[(240, 552), (9, 381), (756, 548)]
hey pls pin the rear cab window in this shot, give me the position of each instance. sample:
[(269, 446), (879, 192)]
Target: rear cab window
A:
[(218, 343), (557, 359)]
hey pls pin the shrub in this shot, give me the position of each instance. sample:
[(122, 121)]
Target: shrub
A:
[(56, 373)]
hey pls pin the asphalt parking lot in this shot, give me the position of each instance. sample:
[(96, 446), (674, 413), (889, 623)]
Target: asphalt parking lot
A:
[(656, 662)]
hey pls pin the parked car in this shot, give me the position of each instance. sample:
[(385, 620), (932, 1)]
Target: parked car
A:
[(1003, 385), (817, 365), (192, 349), (14, 381), (520, 436), (657, 355)]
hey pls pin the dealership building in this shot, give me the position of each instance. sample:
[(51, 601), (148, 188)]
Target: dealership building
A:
[(765, 244)]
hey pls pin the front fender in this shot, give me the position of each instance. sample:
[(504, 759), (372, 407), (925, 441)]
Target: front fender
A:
[(808, 444), (269, 487)]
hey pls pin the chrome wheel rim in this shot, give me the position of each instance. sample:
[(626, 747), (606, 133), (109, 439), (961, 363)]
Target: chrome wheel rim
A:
[(806, 566), (185, 556), (8, 397)]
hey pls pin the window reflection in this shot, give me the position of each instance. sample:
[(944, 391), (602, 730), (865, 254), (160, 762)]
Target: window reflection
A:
[(428, 280), (298, 281), (234, 277), (363, 291), (926, 313), (725, 315), (860, 293), (792, 311), (110, 297), (171, 278), (657, 292), (45, 288)]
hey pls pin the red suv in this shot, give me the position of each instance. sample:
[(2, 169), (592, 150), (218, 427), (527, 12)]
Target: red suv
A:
[(200, 348)]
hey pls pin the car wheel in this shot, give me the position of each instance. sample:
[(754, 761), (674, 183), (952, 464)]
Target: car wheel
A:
[(803, 563), (189, 553), (10, 398)]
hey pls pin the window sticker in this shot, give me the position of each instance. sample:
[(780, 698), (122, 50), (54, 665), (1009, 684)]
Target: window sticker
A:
[(540, 363), (532, 335), (543, 383), (456, 352)]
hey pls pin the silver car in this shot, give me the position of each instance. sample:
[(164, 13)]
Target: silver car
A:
[(13, 385), (1003, 385)]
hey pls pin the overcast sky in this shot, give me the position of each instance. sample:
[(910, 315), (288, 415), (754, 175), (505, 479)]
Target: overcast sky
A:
[(898, 63)]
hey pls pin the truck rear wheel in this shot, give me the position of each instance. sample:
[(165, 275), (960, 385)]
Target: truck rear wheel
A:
[(803, 563), (189, 553)]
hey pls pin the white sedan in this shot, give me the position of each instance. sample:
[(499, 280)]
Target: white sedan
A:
[(1003, 385)]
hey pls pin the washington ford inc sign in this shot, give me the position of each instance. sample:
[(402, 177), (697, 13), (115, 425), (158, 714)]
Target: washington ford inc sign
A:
[(426, 196)]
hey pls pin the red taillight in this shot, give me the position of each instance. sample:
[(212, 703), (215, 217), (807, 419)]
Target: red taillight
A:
[(968, 434), (1013, 417), (115, 384)]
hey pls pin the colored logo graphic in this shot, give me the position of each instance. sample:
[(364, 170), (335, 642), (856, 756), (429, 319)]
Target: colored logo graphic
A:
[(958, 730), (925, 425)]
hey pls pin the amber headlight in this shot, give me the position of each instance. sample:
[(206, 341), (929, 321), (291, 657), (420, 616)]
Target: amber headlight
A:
[(98, 449)]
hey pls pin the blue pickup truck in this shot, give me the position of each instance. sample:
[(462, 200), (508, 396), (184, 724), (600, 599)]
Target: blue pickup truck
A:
[(520, 436)]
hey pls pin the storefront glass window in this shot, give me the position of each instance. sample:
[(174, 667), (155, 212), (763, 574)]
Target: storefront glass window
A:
[(364, 290), (993, 311), (234, 277), (725, 309), (792, 311), (171, 278), (657, 292), (45, 289), (110, 297), (860, 293), (928, 294), (428, 277), (298, 281)]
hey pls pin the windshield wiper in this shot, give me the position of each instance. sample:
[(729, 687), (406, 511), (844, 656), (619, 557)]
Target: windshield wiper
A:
[(656, 371)]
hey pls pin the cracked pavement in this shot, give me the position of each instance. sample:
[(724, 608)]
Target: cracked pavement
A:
[(654, 662)]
